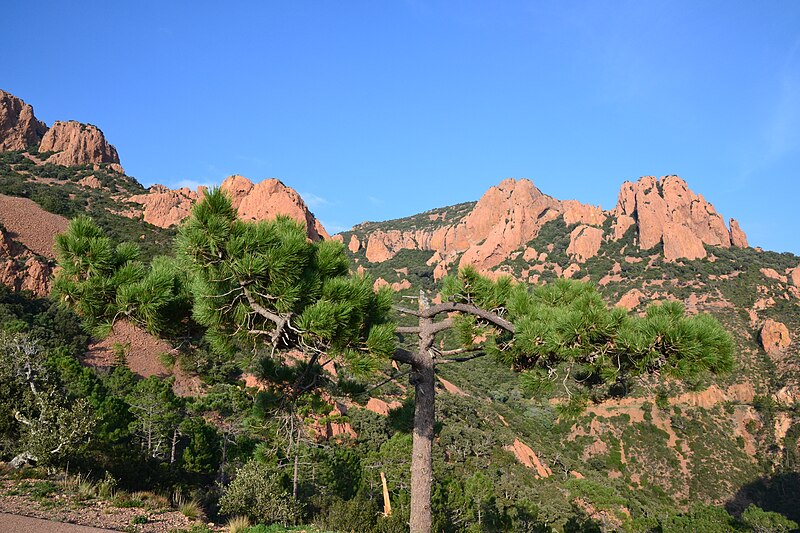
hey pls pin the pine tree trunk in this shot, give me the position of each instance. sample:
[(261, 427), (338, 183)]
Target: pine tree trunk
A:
[(423, 377), (421, 458)]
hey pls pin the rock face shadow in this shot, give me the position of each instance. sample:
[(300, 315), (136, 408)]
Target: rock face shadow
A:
[(777, 494)]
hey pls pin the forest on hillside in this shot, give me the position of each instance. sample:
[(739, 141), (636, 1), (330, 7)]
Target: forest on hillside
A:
[(290, 345)]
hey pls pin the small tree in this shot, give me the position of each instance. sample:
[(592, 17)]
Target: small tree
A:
[(51, 426), (156, 416)]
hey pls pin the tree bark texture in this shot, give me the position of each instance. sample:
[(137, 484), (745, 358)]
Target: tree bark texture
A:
[(423, 377)]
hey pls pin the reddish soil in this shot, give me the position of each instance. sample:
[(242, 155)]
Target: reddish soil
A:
[(31, 225), (142, 355)]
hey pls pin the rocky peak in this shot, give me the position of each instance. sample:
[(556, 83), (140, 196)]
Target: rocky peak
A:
[(269, 198), (166, 207), (667, 212), (19, 128), (78, 144), (738, 238), (506, 217)]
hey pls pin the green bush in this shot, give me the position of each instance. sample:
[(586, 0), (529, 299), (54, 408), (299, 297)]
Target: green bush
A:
[(258, 493)]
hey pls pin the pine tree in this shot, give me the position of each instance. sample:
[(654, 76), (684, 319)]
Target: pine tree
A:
[(266, 284), (104, 281), (559, 334)]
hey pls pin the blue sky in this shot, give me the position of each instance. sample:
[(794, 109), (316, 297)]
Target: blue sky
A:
[(377, 110)]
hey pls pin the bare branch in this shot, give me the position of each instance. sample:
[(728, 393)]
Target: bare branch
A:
[(460, 359), (406, 310), (401, 355), (441, 326), (488, 316), (260, 309), (406, 329)]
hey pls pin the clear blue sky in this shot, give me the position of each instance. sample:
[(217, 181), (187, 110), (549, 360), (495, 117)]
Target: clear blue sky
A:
[(376, 110)]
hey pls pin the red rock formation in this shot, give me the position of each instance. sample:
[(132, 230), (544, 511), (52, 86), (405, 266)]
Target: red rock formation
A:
[(270, 198), (774, 337), (19, 128), (667, 212), (584, 242), (505, 218), (795, 275), (510, 215), (527, 457), (451, 388), (378, 406), (78, 144), (166, 207), (578, 213), (631, 299), (738, 238)]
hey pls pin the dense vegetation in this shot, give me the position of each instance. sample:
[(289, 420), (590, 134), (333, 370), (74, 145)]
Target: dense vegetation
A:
[(257, 451)]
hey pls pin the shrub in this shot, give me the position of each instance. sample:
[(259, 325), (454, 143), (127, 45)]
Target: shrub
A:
[(258, 493), (358, 514)]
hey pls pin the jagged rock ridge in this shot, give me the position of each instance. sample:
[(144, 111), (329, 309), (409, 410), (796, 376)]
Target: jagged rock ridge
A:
[(664, 212), (166, 207), (75, 143), (19, 128), (78, 144)]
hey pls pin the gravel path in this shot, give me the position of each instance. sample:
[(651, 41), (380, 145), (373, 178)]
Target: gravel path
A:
[(22, 524)]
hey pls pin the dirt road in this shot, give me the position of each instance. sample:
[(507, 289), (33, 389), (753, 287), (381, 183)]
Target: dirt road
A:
[(10, 523)]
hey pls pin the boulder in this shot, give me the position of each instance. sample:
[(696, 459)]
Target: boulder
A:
[(584, 242), (774, 337)]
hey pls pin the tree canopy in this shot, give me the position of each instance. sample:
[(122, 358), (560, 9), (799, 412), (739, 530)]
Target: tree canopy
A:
[(265, 282)]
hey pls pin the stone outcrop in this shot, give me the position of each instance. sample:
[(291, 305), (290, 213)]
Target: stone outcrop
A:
[(584, 242), (663, 212), (166, 207), (78, 144), (667, 212), (794, 274), (774, 337), (378, 406), (19, 127), (631, 299), (738, 238), (270, 198), (528, 457), (507, 216)]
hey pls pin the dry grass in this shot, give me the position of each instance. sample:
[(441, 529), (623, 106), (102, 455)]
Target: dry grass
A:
[(80, 485), (238, 524), (191, 509), (151, 500)]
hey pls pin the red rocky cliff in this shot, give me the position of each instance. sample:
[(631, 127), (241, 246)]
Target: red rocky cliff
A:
[(78, 144), (667, 212), (512, 213), (19, 128), (165, 207)]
